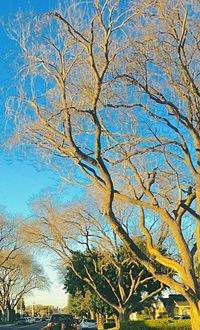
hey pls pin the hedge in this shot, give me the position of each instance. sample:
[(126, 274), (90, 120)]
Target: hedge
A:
[(167, 324)]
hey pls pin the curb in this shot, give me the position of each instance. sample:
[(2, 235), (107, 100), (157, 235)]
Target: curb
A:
[(7, 325)]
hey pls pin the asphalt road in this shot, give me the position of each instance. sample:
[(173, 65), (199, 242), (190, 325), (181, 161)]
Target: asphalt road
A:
[(36, 326)]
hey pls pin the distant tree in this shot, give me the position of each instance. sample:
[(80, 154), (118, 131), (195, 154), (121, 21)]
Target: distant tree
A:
[(19, 272), (42, 310), (18, 277), (77, 305), (88, 305)]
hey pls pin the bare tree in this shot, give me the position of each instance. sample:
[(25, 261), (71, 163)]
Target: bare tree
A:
[(19, 276), (115, 93), (19, 273)]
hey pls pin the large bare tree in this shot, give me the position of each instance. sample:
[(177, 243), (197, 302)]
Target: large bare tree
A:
[(110, 97)]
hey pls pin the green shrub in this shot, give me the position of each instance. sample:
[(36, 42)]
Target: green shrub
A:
[(109, 325), (167, 324)]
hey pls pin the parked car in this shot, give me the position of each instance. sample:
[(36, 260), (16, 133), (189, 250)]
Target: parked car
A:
[(61, 321), (176, 317), (22, 320), (30, 320), (88, 324), (26, 320), (185, 317)]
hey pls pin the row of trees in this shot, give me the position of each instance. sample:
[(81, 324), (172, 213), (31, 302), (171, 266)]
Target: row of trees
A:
[(108, 95), (40, 310), (19, 272)]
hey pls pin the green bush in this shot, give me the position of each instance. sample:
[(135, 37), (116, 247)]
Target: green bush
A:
[(167, 324), (109, 325)]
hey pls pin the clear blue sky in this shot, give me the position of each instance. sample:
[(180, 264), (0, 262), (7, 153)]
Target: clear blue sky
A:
[(20, 181)]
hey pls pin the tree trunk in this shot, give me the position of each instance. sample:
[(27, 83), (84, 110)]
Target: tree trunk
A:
[(195, 317), (92, 314), (122, 317), (117, 322), (4, 315), (97, 318)]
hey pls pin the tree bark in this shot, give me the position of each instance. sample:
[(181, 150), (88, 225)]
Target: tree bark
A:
[(122, 316), (92, 314), (117, 322), (195, 317)]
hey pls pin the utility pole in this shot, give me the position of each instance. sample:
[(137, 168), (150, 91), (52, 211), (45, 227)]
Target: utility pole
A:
[(33, 313)]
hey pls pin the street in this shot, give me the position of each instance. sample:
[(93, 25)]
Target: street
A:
[(36, 326)]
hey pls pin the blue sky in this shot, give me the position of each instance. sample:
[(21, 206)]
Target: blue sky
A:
[(12, 6), (20, 180)]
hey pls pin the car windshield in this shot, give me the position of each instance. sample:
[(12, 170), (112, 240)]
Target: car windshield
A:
[(90, 321)]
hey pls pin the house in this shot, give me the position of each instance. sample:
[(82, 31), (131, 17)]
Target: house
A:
[(133, 316), (174, 305)]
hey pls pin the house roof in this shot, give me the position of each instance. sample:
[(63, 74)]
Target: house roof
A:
[(179, 299), (176, 299)]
